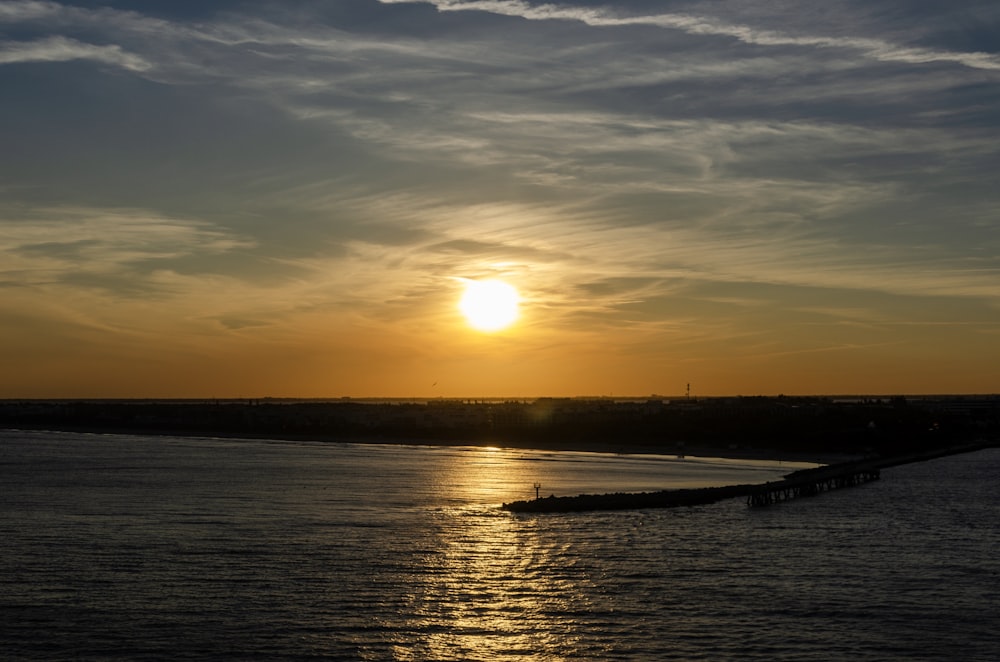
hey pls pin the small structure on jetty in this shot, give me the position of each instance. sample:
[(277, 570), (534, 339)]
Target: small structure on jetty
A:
[(807, 482)]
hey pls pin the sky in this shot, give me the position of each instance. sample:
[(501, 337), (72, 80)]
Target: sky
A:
[(288, 199)]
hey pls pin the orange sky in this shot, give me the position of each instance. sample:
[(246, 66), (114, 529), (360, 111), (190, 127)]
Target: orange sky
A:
[(222, 201)]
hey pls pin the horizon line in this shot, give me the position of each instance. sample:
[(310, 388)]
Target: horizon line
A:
[(484, 398)]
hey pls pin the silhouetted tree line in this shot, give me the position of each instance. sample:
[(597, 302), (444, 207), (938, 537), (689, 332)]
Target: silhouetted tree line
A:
[(790, 424)]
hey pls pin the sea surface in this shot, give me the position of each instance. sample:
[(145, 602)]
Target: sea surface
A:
[(117, 547)]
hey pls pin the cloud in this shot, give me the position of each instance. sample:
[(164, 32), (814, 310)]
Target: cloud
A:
[(27, 10), (105, 248), (697, 25), (62, 49)]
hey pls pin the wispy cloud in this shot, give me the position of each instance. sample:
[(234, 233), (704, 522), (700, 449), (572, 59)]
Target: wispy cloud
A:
[(27, 10), (106, 246), (699, 25), (62, 49)]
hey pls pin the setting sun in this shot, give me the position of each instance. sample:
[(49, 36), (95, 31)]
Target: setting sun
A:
[(489, 305)]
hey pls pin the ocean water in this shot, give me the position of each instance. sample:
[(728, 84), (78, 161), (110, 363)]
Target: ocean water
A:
[(155, 548)]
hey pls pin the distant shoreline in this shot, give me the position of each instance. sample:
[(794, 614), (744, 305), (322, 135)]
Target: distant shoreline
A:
[(776, 429), (589, 446)]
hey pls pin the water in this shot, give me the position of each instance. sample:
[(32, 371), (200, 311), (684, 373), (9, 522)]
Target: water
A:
[(126, 547)]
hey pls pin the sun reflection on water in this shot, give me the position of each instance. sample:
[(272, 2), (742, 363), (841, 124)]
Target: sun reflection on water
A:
[(495, 591), (492, 587), (484, 584)]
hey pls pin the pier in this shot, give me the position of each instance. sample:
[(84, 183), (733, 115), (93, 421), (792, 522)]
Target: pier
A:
[(804, 483), (812, 482)]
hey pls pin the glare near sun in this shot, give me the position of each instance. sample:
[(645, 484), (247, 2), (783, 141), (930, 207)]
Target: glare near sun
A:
[(489, 305)]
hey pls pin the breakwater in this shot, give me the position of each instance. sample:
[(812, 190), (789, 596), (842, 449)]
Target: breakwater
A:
[(807, 482)]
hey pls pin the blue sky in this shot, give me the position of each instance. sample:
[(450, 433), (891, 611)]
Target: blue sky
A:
[(272, 198)]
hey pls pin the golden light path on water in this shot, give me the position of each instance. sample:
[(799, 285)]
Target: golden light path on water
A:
[(489, 590), (493, 585), (494, 590)]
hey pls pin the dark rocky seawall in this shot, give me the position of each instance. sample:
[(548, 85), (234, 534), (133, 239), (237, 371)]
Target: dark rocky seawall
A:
[(805, 482)]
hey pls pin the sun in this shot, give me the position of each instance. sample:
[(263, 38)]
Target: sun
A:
[(489, 305)]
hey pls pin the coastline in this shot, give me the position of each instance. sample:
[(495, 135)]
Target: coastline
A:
[(684, 449), (814, 430)]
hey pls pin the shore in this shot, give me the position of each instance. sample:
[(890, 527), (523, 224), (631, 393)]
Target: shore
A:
[(611, 447), (817, 430)]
